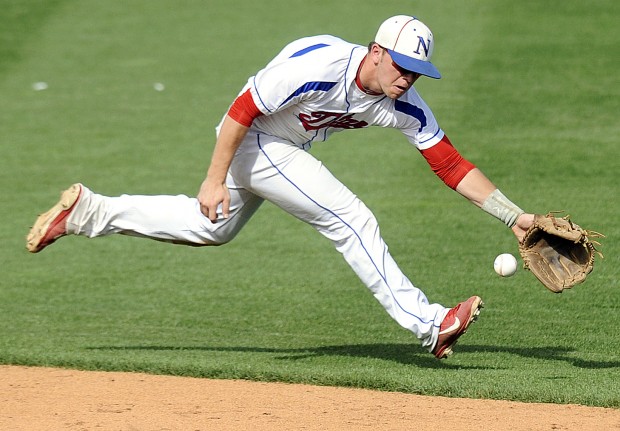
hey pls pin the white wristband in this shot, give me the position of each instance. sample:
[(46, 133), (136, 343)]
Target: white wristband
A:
[(500, 207)]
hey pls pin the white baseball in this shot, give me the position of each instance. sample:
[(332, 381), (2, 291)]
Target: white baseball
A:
[(505, 264)]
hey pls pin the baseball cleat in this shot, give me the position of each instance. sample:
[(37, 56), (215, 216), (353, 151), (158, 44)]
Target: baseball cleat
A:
[(455, 324), (52, 224)]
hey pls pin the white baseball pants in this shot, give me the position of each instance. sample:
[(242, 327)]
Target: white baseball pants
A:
[(289, 177)]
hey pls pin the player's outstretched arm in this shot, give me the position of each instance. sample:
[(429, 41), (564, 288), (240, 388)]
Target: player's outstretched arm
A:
[(476, 187), (213, 190)]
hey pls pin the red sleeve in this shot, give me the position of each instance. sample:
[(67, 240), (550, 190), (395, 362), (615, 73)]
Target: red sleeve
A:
[(447, 163), (244, 110)]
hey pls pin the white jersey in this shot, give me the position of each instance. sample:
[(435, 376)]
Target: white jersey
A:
[(308, 91)]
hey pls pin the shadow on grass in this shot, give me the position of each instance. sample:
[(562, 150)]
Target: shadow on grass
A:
[(549, 353), (400, 353)]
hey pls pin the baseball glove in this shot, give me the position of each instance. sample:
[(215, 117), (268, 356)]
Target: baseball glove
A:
[(558, 252)]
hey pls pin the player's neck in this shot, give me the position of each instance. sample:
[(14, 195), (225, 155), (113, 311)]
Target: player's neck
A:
[(361, 79)]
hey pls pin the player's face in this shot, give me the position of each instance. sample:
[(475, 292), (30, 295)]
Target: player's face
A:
[(393, 79)]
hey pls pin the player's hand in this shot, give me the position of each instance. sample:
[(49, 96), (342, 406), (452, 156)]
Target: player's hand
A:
[(524, 221), (210, 196)]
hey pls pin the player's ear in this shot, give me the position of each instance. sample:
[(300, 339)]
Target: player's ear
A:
[(374, 47), (374, 52)]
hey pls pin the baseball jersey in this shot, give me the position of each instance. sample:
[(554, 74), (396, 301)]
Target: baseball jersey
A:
[(308, 91)]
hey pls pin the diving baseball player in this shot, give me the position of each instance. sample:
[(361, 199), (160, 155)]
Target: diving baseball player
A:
[(314, 87)]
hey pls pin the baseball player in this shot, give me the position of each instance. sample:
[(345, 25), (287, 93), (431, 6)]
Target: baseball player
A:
[(314, 87)]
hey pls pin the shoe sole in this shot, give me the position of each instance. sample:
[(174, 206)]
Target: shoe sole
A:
[(41, 226), (474, 312)]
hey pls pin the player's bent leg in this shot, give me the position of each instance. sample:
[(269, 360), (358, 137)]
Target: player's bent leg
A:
[(359, 240), (174, 219), (399, 296), (302, 186)]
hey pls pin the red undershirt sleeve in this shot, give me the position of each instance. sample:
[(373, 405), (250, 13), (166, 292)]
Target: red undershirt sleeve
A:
[(244, 110), (447, 163)]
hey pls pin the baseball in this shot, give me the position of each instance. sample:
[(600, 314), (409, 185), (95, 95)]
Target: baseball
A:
[(505, 265)]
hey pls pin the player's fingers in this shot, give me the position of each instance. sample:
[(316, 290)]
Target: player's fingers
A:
[(210, 198), (202, 200), (209, 211), (212, 213), (204, 210), (226, 206)]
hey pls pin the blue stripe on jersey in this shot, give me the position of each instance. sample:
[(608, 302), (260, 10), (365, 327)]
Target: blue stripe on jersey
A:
[(412, 110), (311, 86), (308, 49)]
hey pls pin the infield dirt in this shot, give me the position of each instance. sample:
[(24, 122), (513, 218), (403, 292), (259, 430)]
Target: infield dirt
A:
[(34, 399)]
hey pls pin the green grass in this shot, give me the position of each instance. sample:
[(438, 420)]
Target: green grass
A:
[(530, 94)]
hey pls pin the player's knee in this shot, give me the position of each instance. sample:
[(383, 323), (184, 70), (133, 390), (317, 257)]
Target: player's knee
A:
[(359, 224), (217, 239), (218, 243)]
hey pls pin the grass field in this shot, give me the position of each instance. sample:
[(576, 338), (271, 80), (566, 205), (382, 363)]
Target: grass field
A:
[(530, 93)]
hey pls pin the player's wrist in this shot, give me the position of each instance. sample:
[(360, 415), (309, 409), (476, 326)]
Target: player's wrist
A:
[(502, 208)]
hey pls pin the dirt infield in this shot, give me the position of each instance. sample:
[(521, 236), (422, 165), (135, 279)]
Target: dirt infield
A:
[(57, 399)]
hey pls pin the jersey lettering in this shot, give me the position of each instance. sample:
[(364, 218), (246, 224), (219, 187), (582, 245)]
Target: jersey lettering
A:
[(321, 119)]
